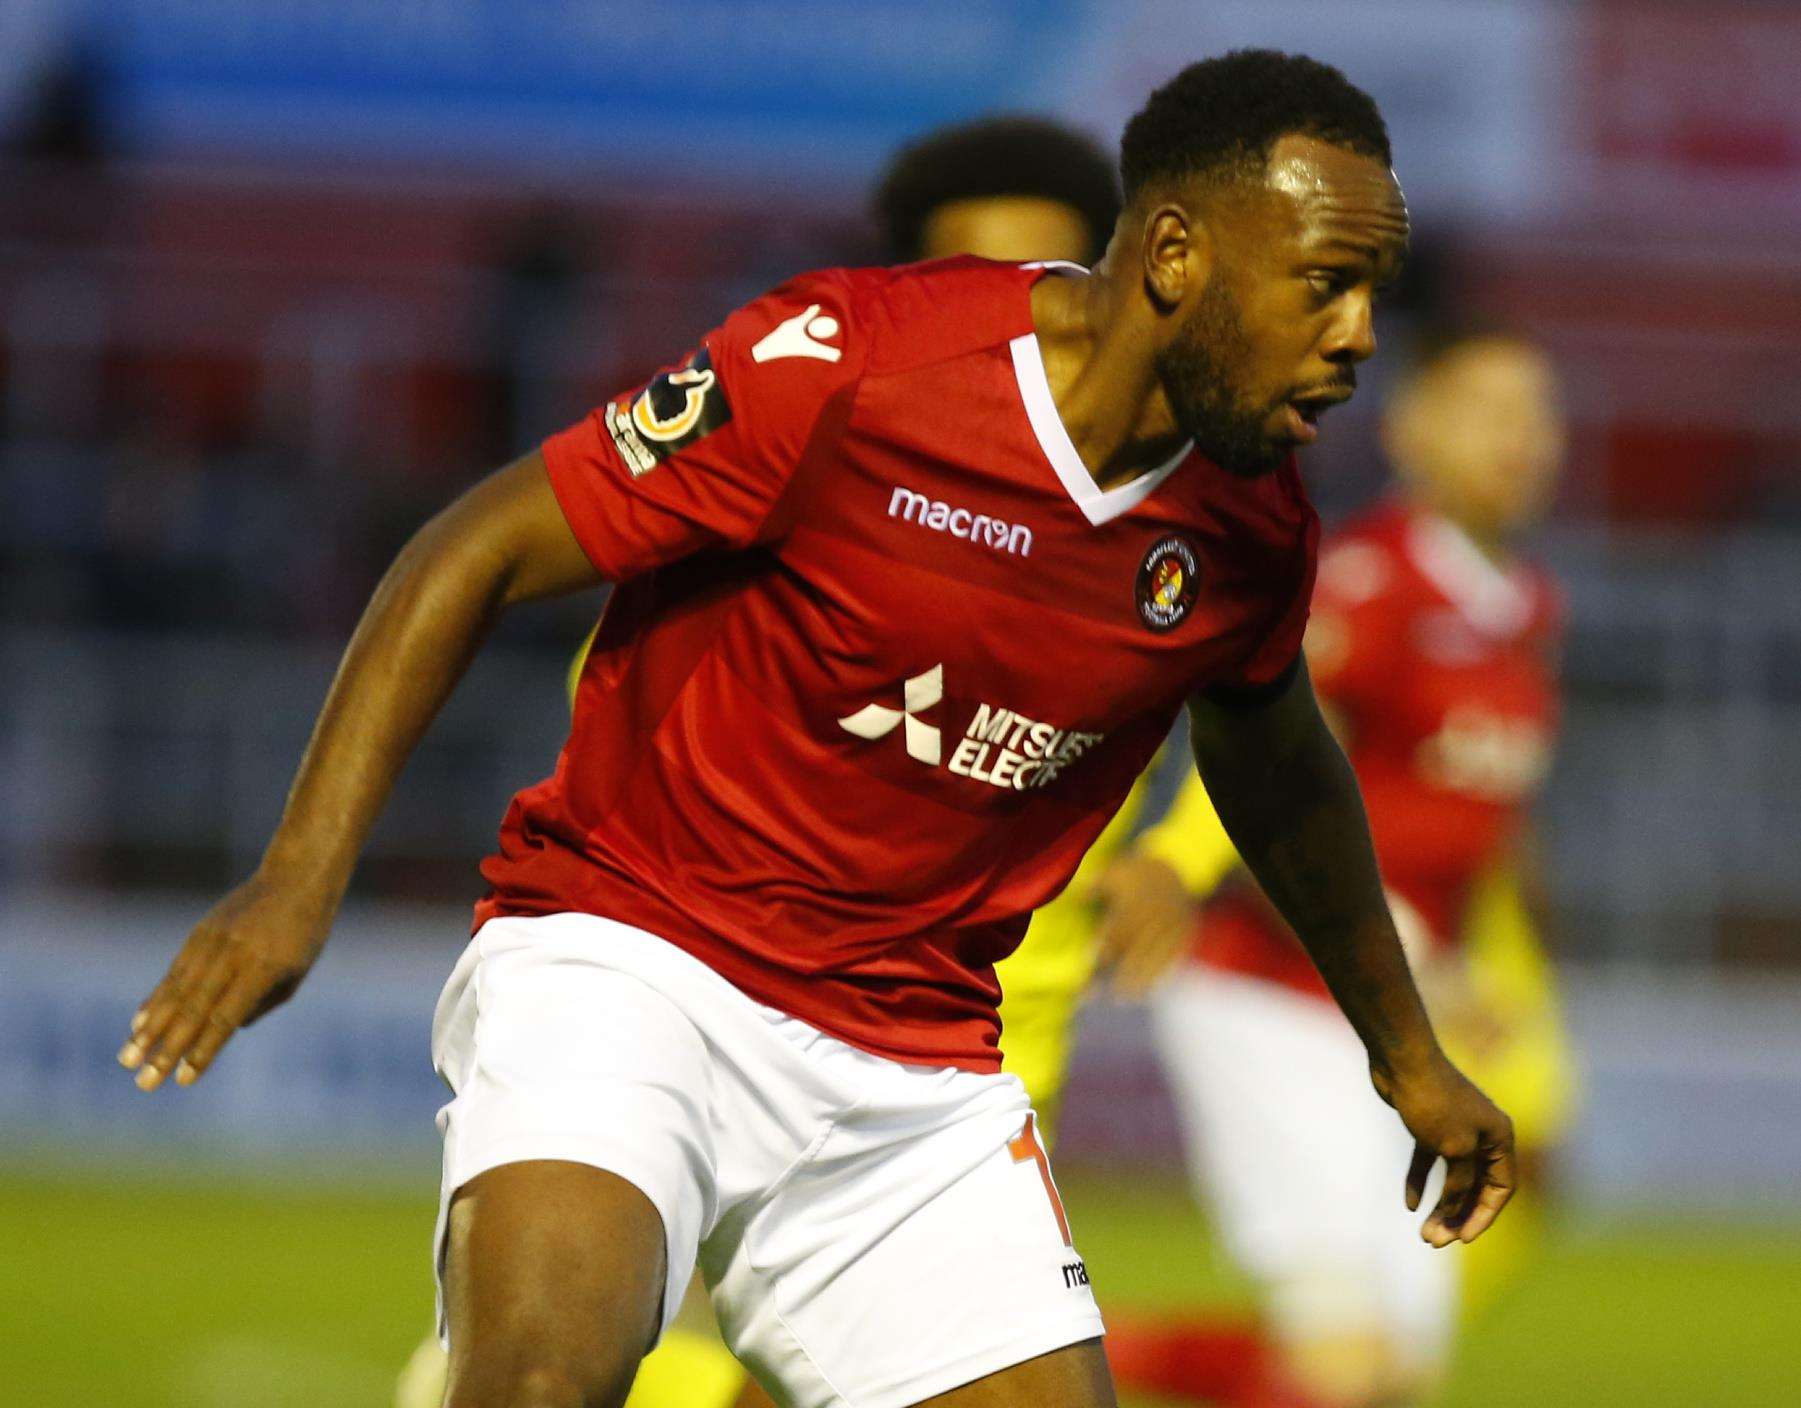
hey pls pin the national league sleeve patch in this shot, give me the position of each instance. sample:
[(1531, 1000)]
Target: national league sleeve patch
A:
[(676, 409)]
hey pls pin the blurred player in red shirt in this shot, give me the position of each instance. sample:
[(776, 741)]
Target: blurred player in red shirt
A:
[(1433, 647), (914, 570)]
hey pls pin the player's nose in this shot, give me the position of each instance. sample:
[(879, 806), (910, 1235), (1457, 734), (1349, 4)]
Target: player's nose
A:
[(1352, 336)]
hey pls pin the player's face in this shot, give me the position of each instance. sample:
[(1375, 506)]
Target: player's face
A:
[(1481, 434), (1285, 311), (1010, 228)]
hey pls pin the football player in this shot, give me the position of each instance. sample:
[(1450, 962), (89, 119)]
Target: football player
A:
[(914, 570)]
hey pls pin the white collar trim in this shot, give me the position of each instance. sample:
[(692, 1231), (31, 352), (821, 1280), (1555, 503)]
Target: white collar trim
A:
[(1098, 505), (1491, 598)]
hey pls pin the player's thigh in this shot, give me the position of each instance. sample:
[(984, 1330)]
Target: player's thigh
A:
[(553, 1270), (1075, 1376), (920, 1248), (558, 1058)]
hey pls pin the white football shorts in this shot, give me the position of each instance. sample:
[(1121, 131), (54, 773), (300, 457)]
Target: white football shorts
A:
[(872, 1233), (1302, 1164)]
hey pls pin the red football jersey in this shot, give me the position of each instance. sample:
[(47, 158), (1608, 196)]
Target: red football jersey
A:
[(883, 659), (1441, 668)]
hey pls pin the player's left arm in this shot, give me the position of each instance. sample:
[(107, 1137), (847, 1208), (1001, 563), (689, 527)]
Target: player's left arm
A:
[(1287, 797)]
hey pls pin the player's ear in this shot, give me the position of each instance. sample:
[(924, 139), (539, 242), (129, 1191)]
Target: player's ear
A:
[(1177, 253)]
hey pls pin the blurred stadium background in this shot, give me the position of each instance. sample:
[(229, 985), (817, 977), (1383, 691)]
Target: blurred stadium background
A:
[(277, 279)]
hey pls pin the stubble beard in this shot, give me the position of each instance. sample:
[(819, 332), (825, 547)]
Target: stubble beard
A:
[(1198, 371)]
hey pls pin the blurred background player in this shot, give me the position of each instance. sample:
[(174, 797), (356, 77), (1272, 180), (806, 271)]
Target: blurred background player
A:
[(1433, 646), (1006, 188)]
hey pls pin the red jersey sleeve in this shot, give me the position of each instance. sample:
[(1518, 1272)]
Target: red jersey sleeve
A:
[(701, 456), (1271, 660), (1357, 634)]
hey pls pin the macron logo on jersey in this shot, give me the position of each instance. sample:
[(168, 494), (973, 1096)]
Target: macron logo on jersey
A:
[(940, 517), (803, 335)]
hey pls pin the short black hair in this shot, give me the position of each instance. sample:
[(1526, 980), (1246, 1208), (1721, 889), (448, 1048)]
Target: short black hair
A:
[(996, 156), (1220, 117)]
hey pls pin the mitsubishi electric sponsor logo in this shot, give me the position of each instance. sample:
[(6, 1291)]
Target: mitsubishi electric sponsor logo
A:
[(1005, 749), (940, 517), (999, 747), (919, 694)]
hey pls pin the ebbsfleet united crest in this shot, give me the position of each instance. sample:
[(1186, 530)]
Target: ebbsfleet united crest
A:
[(1169, 579)]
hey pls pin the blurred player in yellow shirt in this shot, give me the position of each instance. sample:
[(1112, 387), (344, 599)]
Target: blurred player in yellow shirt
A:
[(1015, 189)]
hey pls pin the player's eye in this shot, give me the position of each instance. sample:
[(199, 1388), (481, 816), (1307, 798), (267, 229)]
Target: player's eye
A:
[(1328, 283)]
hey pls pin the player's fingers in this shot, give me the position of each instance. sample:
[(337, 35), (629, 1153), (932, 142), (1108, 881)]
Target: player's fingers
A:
[(1120, 930), (1419, 1169), (229, 1013), (1490, 1199), (1461, 1176), (157, 1003), (1106, 944), (192, 1008), (1134, 979), (1497, 1183), (147, 1023), (154, 1016), (1135, 962), (1152, 958)]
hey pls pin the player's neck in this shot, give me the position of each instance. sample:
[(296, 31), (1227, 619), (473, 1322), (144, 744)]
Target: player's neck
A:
[(1103, 382)]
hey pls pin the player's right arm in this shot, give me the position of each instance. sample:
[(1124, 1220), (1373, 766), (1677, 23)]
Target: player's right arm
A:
[(503, 542), (1290, 803), (700, 459)]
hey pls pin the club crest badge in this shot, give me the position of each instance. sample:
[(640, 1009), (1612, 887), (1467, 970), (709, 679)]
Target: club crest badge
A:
[(1169, 580)]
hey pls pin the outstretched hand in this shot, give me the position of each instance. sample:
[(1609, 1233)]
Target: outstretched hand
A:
[(1146, 922), (245, 958), (1451, 1119)]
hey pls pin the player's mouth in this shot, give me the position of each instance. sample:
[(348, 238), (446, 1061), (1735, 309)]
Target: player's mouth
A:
[(1303, 412)]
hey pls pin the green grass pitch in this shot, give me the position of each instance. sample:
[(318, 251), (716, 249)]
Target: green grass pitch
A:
[(171, 1291)]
